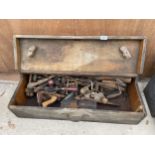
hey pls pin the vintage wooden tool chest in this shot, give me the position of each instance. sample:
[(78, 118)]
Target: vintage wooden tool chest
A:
[(96, 61)]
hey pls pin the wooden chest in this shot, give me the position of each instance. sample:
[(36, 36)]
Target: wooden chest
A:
[(83, 56)]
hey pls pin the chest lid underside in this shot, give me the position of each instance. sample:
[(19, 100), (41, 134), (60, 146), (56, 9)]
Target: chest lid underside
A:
[(83, 55)]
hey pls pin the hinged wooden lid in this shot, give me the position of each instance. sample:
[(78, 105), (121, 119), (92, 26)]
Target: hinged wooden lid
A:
[(92, 55)]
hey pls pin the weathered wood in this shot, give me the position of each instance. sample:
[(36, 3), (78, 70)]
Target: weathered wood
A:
[(78, 114), (87, 55)]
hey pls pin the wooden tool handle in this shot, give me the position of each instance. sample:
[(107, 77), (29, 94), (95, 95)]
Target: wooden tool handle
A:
[(50, 101)]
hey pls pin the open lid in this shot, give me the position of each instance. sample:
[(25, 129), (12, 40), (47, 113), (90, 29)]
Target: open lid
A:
[(83, 55)]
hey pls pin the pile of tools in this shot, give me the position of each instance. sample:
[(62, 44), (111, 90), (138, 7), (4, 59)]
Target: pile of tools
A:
[(75, 91)]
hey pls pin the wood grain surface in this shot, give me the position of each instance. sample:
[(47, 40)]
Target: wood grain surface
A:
[(82, 56), (8, 28)]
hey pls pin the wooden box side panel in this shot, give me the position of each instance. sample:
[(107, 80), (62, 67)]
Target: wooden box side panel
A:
[(78, 114), (135, 100)]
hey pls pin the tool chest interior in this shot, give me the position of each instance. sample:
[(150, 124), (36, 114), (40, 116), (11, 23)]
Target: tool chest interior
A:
[(122, 102), (83, 78)]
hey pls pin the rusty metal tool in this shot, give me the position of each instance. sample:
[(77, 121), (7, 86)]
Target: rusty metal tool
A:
[(34, 77), (96, 97), (121, 83), (117, 94), (85, 89), (108, 84), (114, 95), (42, 96), (40, 87), (70, 89), (34, 84), (29, 91)]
